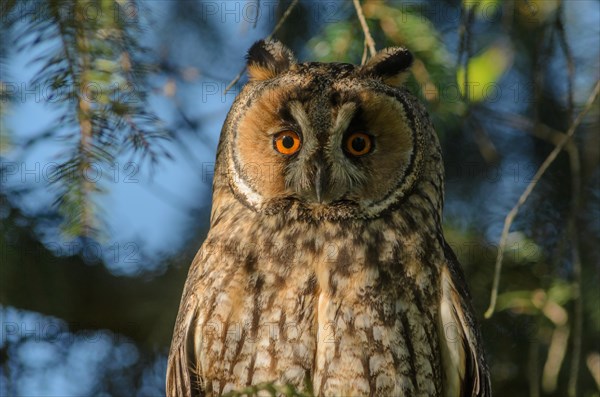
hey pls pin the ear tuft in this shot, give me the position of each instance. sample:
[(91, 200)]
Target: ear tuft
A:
[(268, 59), (390, 65)]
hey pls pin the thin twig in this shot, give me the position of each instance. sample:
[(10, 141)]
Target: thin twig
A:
[(280, 23), (486, 146), (461, 36), (363, 59), (572, 222), (556, 354), (539, 130), (576, 258), (283, 18), (562, 38), (540, 172), (541, 55), (468, 49), (363, 23), (235, 80)]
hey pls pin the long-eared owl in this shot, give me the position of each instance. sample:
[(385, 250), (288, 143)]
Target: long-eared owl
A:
[(325, 267)]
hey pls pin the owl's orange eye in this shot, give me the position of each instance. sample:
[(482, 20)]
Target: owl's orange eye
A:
[(359, 144), (287, 142)]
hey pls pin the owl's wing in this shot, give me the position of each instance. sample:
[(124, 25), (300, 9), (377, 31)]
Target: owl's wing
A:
[(182, 371), (463, 358)]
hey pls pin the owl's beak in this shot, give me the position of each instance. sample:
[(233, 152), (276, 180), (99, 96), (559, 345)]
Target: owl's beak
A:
[(319, 184), (320, 181)]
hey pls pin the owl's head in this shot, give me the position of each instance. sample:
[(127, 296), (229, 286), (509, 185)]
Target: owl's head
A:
[(329, 140)]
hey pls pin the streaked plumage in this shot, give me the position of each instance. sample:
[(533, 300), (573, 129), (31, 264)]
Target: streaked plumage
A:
[(326, 262)]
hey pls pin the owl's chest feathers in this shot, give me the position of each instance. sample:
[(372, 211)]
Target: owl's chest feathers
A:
[(346, 258), (330, 301)]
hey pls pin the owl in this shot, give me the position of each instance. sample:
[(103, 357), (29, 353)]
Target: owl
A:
[(325, 267)]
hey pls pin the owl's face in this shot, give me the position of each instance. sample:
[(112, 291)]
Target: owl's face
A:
[(329, 138)]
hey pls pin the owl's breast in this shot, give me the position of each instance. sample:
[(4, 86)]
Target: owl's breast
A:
[(359, 354), (377, 336), (377, 314), (256, 318), (353, 312)]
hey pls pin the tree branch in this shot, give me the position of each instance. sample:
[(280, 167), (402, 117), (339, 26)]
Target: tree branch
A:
[(280, 23), (513, 212), (575, 205), (369, 42)]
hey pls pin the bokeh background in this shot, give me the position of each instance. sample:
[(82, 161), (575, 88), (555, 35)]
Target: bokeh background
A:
[(110, 116)]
